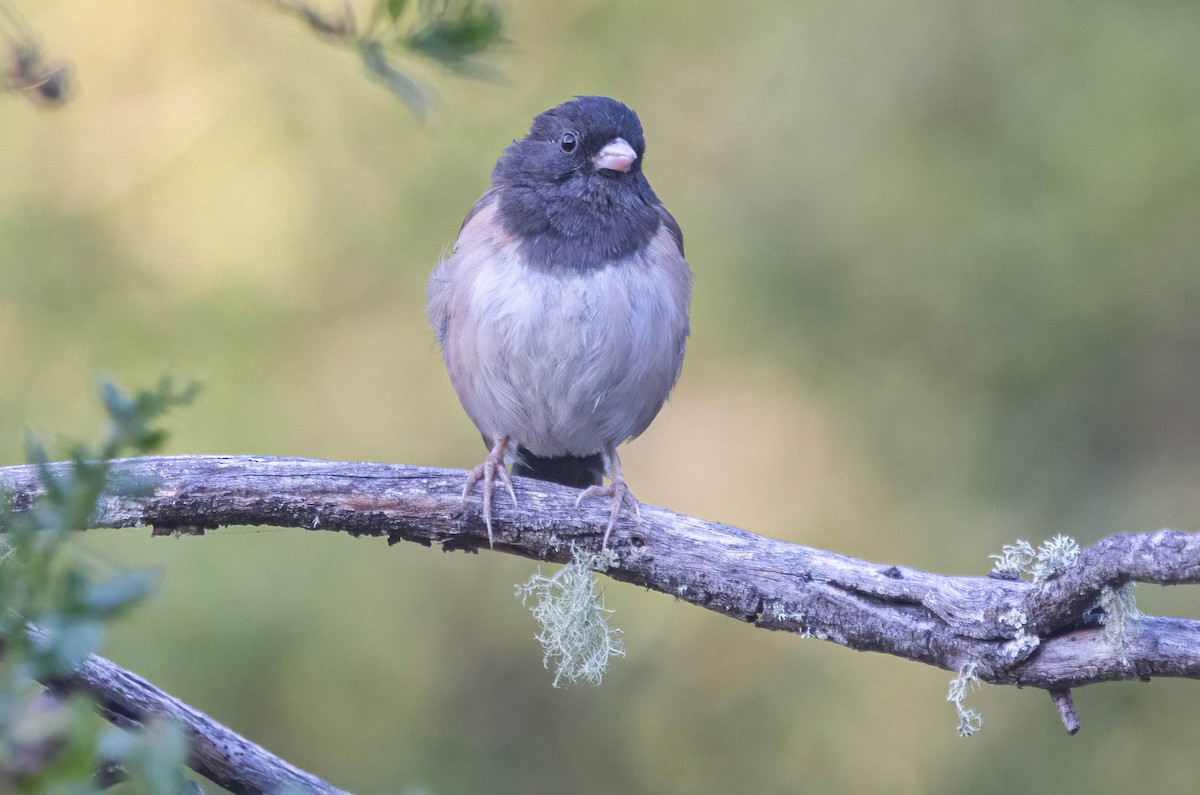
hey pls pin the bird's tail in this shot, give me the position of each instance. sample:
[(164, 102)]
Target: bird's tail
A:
[(569, 470)]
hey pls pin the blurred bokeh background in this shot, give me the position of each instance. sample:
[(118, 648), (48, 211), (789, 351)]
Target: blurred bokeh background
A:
[(947, 295)]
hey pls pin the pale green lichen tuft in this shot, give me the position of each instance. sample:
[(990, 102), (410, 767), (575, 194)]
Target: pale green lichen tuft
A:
[(969, 720), (1022, 560), (1022, 643), (575, 634), (1015, 618), (1120, 616), (1052, 556), (1014, 559)]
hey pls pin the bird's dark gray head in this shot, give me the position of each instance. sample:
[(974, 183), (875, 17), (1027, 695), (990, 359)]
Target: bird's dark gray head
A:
[(573, 190)]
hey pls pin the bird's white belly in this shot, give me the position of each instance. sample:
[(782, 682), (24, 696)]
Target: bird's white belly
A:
[(566, 362)]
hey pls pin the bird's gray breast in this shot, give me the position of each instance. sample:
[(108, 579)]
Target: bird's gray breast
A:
[(562, 360)]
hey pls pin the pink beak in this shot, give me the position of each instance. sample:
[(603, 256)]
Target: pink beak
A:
[(617, 155)]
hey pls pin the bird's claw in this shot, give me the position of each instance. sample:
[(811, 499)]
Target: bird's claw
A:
[(620, 495), (488, 471)]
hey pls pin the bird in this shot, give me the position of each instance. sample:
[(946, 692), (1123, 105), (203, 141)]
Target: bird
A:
[(562, 309)]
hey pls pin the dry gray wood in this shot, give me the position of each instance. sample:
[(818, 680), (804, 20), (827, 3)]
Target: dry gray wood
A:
[(945, 621), (217, 753)]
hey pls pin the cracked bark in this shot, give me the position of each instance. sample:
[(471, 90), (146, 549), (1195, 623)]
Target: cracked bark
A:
[(940, 620)]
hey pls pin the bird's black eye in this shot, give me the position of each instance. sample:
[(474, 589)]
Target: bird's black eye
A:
[(568, 142)]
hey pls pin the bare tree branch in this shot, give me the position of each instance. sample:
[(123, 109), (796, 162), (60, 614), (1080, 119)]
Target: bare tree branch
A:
[(1043, 635), (217, 753)]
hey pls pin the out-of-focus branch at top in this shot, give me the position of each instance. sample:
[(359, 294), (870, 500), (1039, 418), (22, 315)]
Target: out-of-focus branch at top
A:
[(451, 34)]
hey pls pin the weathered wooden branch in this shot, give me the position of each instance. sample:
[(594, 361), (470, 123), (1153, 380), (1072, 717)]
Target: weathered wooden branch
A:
[(1043, 635), (217, 753)]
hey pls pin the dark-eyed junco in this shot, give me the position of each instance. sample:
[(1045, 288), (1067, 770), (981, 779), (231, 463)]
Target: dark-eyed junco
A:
[(563, 310)]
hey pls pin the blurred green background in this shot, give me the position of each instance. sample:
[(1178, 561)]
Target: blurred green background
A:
[(947, 295)]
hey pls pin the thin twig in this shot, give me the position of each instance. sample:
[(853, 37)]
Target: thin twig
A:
[(1066, 710)]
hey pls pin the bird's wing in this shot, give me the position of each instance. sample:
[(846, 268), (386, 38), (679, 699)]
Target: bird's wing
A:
[(672, 226), (441, 281), (487, 198)]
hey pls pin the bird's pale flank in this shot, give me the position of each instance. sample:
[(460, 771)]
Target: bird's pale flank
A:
[(563, 310)]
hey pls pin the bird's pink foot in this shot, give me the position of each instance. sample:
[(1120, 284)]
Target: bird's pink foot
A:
[(491, 469), (620, 495)]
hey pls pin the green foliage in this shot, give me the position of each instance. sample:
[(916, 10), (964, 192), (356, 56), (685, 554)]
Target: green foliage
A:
[(574, 634), (449, 33), (152, 760), (26, 70), (455, 32), (409, 90), (48, 743)]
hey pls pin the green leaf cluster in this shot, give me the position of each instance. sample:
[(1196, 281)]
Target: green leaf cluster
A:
[(450, 33), (25, 69), (54, 611)]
